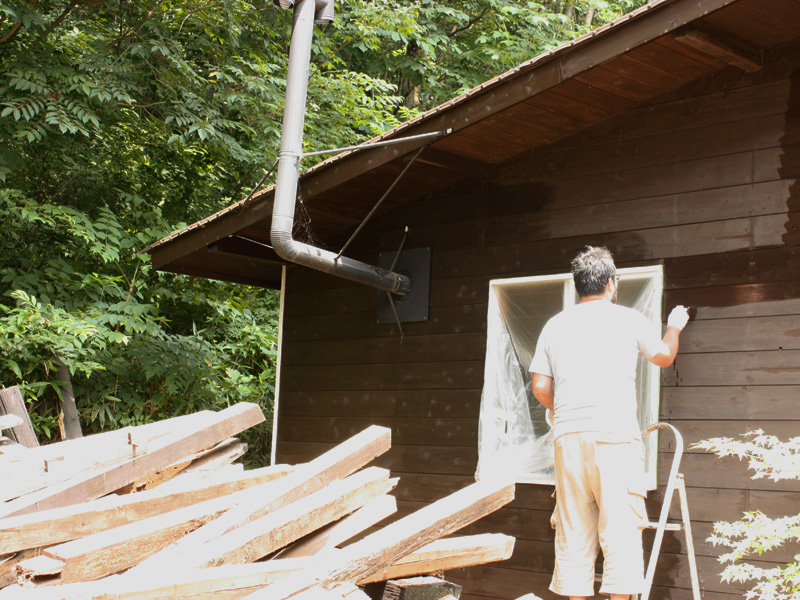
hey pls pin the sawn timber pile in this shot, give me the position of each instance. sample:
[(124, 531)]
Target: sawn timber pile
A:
[(159, 511)]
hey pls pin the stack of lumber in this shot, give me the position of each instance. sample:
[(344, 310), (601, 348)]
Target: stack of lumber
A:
[(159, 511)]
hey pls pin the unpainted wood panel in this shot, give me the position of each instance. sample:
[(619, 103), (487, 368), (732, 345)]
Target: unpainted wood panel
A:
[(781, 367), (745, 300), (642, 245), (778, 163), (656, 180), (611, 155), (731, 335), (718, 204), (768, 265), (729, 402)]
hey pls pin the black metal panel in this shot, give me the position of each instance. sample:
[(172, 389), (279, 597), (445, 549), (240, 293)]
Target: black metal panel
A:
[(416, 265)]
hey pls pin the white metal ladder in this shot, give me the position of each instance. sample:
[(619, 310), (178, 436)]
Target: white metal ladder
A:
[(674, 481)]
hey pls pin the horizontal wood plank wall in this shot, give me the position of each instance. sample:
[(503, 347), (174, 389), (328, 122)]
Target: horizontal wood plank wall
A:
[(704, 181)]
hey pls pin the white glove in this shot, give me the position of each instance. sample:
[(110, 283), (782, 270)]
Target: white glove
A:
[(678, 317)]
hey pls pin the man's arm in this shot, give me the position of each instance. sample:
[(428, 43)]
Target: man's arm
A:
[(543, 390), (675, 323)]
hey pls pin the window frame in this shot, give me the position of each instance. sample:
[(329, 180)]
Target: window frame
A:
[(569, 298)]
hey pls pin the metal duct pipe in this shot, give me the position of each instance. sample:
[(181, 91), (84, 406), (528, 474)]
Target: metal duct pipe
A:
[(289, 171)]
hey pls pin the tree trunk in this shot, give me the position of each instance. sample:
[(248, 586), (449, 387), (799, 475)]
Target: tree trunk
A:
[(589, 17), (68, 420)]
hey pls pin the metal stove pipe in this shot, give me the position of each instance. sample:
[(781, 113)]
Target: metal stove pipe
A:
[(289, 167)]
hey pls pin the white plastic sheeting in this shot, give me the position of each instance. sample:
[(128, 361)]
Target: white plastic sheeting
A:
[(514, 438)]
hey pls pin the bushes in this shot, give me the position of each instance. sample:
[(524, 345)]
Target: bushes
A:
[(756, 533)]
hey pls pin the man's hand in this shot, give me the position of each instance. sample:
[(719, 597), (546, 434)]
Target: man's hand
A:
[(675, 323), (678, 317)]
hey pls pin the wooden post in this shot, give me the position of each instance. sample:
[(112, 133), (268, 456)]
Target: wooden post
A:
[(68, 421), (12, 403)]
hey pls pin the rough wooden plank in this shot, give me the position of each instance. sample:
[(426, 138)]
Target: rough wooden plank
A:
[(165, 451), (367, 556), (12, 403), (54, 526), (341, 461), (276, 530), (738, 56), (448, 553), (344, 529), (55, 463), (227, 582), (114, 550), (234, 581), (9, 421)]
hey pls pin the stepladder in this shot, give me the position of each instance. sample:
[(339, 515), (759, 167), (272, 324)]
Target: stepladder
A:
[(675, 482)]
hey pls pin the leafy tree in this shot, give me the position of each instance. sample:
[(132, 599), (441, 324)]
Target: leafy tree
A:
[(756, 533), (120, 122)]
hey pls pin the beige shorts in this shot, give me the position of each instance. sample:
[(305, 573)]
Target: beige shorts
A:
[(600, 490)]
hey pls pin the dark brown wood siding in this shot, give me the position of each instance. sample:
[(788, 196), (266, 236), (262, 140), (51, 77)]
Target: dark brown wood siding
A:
[(703, 181)]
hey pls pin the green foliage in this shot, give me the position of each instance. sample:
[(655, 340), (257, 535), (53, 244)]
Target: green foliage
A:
[(756, 533), (120, 122), (432, 50)]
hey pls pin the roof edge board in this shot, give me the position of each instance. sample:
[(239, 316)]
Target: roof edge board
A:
[(538, 75)]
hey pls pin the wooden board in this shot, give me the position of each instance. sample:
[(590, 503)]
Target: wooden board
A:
[(262, 536), (367, 556), (57, 525), (338, 462), (163, 452), (12, 403)]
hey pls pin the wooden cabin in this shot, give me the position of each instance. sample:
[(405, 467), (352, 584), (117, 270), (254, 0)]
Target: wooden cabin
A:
[(672, 136)]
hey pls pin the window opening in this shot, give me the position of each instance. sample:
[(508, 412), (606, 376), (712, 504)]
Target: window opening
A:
[(514, 436)]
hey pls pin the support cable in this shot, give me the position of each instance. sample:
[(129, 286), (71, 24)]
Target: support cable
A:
[(378, 204)]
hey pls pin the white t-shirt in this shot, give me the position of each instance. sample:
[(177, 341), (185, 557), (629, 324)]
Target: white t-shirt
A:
[(590, 350)]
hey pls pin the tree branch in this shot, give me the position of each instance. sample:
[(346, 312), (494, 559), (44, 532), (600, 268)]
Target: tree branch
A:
[(469, 24)]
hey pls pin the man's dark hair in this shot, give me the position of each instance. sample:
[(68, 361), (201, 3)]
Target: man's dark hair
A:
[(591, 270)]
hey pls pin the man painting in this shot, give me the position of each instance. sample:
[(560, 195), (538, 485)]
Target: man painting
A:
[(584, 370)]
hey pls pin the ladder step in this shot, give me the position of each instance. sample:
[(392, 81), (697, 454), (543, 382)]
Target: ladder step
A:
[(668, 527)]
